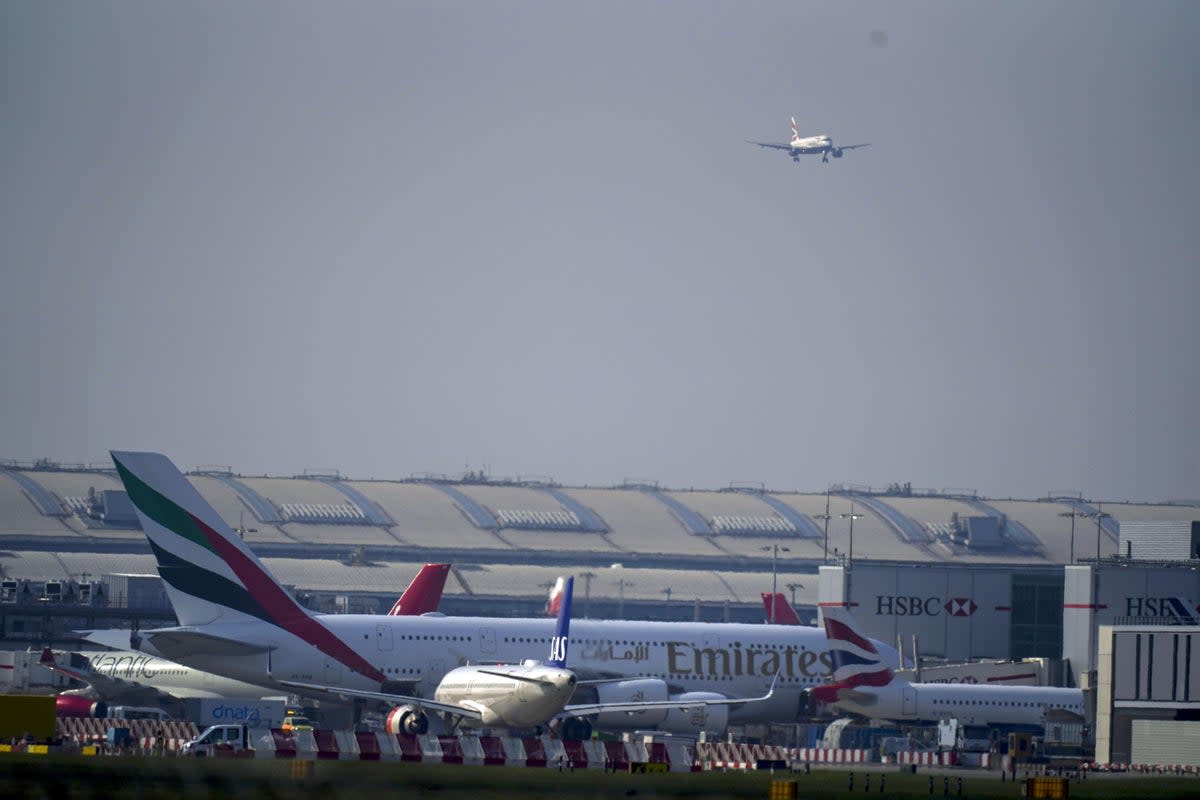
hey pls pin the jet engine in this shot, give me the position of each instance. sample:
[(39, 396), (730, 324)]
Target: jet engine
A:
[(712, 719), (406, 719), (76, 705), (636, 690), (837, 152)]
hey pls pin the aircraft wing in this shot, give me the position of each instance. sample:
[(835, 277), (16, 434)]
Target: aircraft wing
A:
[(177, 644), (587, 709), (778, 145), (1063, 715), (852, 146), (173, 644), (388, 697)]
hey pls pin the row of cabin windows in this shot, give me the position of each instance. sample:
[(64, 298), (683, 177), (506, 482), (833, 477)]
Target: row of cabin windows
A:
[(1010, 704)]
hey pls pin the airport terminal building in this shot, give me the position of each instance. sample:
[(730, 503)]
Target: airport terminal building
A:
[(960, 575)]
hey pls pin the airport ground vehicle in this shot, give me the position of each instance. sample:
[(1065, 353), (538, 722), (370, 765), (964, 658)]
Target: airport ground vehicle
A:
[(227, 739)]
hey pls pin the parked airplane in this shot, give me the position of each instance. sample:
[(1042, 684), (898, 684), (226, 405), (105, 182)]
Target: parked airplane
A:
[(135, 678), (525, 695), (783, 613), (864, 684), (237, 620), (809, 146)]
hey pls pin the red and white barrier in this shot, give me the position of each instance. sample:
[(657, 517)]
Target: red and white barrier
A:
[(829, 755)]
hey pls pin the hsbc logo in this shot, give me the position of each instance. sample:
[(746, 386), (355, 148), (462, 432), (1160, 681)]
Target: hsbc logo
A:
[(1175, 608), (960, 606), (898, 605)]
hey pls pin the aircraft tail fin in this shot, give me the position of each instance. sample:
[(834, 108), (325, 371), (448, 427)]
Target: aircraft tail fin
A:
[(424, 593), (857, 662), (210, 574), (795, 133), (562, 631), (554, 600), (782, 613)]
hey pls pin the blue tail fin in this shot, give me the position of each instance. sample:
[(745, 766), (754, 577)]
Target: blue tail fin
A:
[(558, 645)]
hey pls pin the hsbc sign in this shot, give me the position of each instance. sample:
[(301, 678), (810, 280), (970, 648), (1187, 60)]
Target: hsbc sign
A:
[(897, 605)]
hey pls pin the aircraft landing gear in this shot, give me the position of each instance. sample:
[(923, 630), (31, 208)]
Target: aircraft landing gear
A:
[(576, 729)]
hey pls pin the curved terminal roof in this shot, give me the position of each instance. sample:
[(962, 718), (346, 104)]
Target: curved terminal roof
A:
[(509, 538)]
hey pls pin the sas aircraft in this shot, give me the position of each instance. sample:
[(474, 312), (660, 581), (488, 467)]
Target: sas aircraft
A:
[(526, 695), (864, 684), (238, 621), (821, 145), (138, 679)]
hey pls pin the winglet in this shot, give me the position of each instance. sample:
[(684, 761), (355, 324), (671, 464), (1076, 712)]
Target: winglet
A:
[(558, 645)]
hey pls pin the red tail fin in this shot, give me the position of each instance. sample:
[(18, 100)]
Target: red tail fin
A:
[(424, 593), (554, 600), (784, 613)]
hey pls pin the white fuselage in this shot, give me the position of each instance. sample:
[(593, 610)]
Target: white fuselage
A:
[(508, 702), (178, 680), (970, 704), (810, 145), (734, 660)]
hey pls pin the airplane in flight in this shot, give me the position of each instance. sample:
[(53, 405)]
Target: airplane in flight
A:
[(134, 678), (864, 684), (237, 620), (526, 695), (821, 145)]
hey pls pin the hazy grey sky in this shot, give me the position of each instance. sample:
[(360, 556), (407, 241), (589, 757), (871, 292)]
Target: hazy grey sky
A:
[(391, 237)]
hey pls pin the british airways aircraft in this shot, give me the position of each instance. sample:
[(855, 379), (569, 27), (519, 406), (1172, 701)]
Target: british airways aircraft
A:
[(238, 621), (821, 145), (864, 684)]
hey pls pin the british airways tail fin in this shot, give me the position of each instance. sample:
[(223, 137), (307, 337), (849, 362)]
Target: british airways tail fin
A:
[(795, 133), (562, 631), (424, 593), (856, 659)]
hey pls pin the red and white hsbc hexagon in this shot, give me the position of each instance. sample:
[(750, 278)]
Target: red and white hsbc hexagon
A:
[(960, 607)]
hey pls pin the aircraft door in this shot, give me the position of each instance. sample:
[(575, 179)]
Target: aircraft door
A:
[(908, 701), (487, 641), (332, 671), (383, 638)]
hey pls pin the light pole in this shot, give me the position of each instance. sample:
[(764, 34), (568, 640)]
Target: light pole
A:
[(826, 517), (587, 591), (851, 516), (1073, 513), (667, 592), (1100, 514), (792, 587), (621, 584), (774, 548)]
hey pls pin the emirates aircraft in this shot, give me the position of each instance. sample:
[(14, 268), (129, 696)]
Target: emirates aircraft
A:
[(124, 677), (238, 621), (821, 145), (864, 684), (526, 695)]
